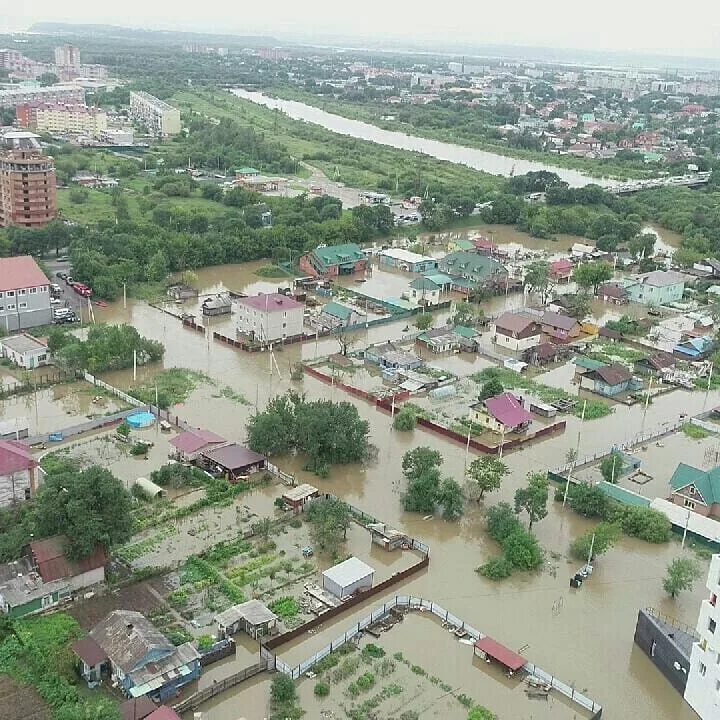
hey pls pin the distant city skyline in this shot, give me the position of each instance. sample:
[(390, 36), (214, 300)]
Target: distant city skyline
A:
[(691, 30)]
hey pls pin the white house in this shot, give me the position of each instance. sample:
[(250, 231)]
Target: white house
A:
[(702, 691), (517, 332), (266, 318), (347, 578), (424, 291), (24, 350)]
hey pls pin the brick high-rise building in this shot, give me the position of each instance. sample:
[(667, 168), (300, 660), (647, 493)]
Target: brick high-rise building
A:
[(28, 191)]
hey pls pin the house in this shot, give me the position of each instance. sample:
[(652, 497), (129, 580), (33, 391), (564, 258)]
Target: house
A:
[(695, 348), (298, 496), (561, 270), (219, 304), (251, 617), (475, 269), (516, 332), (502, 414), (335, 260), (560, 327), (387, 537), (18, 472), (138, 658), (348, 578), (334, 315), (609, 380), (424, 291), (544, 354), (660, 287), (407, 261), (484, 245), (390, 356), (270, 317), (234, 461), (164, 712), (24, 294), (52, 563), (135, 708), (92, 661), (191, 443), (27, 594), (24, 350), (655, 365), (444, 282), (246, 173), (468, 337), (461, 244), (613, 293), (562, 304), (439, 340), (698, 490)]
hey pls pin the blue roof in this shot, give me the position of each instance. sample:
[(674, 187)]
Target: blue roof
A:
[(626, 497)]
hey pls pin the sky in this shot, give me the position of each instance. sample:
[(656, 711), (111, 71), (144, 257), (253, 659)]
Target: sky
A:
[(689, 28)]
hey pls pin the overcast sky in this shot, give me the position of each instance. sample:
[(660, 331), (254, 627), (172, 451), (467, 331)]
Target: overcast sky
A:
[(691, 27)]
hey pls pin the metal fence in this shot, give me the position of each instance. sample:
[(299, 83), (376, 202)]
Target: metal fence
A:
[(115, 391)]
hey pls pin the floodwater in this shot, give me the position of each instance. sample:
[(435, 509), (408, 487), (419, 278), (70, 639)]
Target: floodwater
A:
[(488, 162)]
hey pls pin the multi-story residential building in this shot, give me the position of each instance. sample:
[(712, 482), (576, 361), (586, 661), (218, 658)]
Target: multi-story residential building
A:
[(60, 118), (659, 287), (24, 294), (271, 317), (159, 117), (12, 97), (702, 691), (67, 56), (28, 191)]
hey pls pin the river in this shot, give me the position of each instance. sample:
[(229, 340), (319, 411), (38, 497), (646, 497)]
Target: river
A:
[(483, 160)]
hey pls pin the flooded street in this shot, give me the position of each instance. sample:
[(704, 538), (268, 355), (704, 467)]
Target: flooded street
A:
[(488, 162)]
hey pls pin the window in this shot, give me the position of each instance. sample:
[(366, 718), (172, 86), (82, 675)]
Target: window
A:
[(33, 291), (692, 490), (689, 504), (22, 292), (712, 625), (23, 306), (11, 306), (10, 293), (702, 669)]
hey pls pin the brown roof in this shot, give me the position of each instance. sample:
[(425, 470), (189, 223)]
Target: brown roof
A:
[(659, 361), (20, 272), (612, 290), (233, 456), (90, 652), (15, 457), (555, 320), (612, 374), (52, 564), (191, 441), (137, 708), (515, 323)]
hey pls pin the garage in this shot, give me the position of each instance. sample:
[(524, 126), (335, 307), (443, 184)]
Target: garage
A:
[(348, 578)]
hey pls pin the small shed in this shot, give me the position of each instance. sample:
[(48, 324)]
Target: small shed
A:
[(220, 304), (387, 537), (92, 658), (149, 488), (296, 497), (348, 578), (234, 461), (490, 649), (251, 617)]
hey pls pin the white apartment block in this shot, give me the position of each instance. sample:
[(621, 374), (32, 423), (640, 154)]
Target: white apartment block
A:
[(271, 317), (159, 117), (11, 97), (702, 691), (71, 119)]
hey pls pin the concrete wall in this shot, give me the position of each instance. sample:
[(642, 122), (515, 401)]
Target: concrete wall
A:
[(87, 579), (662, 650)]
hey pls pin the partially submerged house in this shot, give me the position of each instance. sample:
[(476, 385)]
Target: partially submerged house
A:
[(25, 351), (334, 261), (335, 315), (387, 537), (439, 340), (192, 443), (516, 331), (425, 291), (18, 472), (52, 563), (219, 304), (251, 617), (472, 271), (697, 490), (297, 497), (137, 657), (613, 293), (659, 287), (655, 365), (502, 414), (405, 260), (561, 270), (233, 461), (348, 578), (545, 353), (609, 380), (695, 348), (562, 328), (389, 356)]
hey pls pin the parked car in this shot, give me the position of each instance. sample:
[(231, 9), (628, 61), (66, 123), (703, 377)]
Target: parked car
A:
[(64, 315), (69, 280), (61, 275)]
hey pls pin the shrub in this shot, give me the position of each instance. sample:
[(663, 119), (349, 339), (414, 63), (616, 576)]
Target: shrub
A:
[(373, 651), (282, 689), (418, 670), (523, 551), (643, 522), (501, 521), (365, 681), (588, 500), (322, 689), (465, 700), (205, 642), (405, 420), (481, 713), (285, 607), (497, 568)]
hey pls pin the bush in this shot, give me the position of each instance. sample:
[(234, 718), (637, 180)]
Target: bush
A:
[(643, 522), (606, 535), (405, 420), (285, 607), (588, 500), (523, 551), (282, 689), (139, 448), (373, 651), (205, 642), (322, 689), (365, 681), (481, 713), (497, 568), (501, 521)]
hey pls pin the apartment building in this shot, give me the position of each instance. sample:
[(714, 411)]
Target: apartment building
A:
[(159, 117), (271, 317), (12, 97), (67, 56), (24, 294), (702, 691), (62, 118), (28, 190)]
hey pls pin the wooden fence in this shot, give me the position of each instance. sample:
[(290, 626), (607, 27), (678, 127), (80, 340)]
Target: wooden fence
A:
[(198, 698)]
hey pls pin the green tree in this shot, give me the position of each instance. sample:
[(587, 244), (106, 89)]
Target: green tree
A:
[(7, 629), (262, 528), (450, 497), (491, 388), (48, 78), (611, 467), (588, 500), (89, 507), (422, 491), (423, 321), (605, 536), (405, 420), (642, 245), (521, 548), (481, 713), (501, 521), (592, 274), (486, 473), (538, 279), (466, 314), (533, 498), (329, 521), (681, 575), (419, 460), (282, 689)]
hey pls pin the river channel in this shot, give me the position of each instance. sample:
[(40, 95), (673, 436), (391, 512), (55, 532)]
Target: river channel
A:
[(488, 162)]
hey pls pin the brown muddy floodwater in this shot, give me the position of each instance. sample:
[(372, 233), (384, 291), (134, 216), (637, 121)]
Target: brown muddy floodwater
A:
[(588, 643)]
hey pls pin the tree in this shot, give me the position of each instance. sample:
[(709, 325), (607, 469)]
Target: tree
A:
[(466, 314), (450, 498), (88, 507), (487, 473), (522, 550), (282, 689), (423, 321), (491, 388), (48, 78), (681, 574), (605, 536), (330, 520), (7, 629), (588, 500), (611, 467), (538, 279), (501, 521), (405, 420), (642, 245), (419, 460), (533, 498), (592, 275), (422, 491), (262, 528)]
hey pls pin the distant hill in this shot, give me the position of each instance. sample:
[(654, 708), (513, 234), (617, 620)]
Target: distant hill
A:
[(167, 36)]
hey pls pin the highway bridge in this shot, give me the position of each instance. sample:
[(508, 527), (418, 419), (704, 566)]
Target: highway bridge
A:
[(692, 180)]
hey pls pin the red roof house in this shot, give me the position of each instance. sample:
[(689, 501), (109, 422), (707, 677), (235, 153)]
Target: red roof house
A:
[(502, 414), (493, 650), (163, 713), (52, 563), (192, 443), (20, 272), (561, 269), (18, 472)]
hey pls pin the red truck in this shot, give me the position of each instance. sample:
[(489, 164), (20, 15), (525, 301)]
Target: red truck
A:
[(82, 290)]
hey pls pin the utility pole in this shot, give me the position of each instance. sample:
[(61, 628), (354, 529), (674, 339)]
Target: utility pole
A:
[(687, 522), (125, 296), (467, 451), (134, 365), (592, 545), (577, 451)]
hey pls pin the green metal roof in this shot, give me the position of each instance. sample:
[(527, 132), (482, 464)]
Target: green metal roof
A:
[(247, 171), (588, 363), (439, 279), (339, 254), (337, 310), (424, 283), (463, 262), (464, 244), (466, 332), (707, 483), (626, 497)]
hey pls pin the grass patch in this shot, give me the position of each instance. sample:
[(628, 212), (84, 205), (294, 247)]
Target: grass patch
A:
[(133, 551), (285, 607), (272, 271), (173, 386), (695, 431)]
